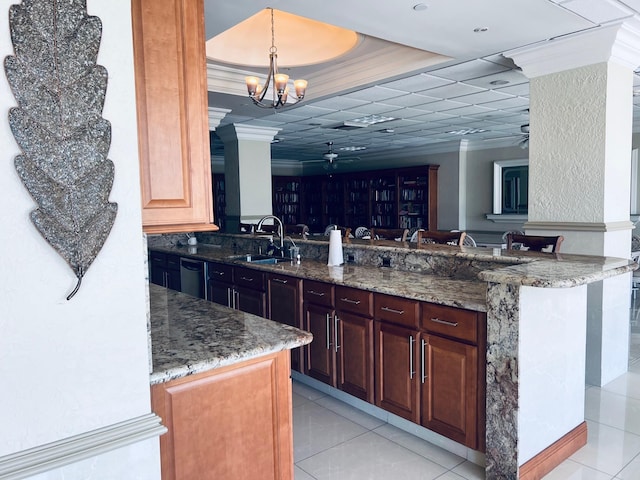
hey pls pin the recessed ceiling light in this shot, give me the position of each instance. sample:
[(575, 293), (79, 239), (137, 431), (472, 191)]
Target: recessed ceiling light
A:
[(352, 149), (499, 82), (371, 119), (466, 131), (480, 29), (418, 7)]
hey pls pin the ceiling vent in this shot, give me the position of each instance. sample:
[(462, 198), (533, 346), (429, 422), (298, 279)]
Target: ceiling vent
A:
[(349, 126)]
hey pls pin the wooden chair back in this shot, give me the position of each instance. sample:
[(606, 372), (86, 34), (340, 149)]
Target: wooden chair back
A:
[(389, 233), (246, 227), (298, 230), (442, 237), (535, 243)]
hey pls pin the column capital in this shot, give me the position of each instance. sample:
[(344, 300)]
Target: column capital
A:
[(215, 116), (238, 131), (618, 42)]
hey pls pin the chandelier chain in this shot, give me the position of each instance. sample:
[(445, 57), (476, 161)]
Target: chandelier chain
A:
[(273, 48)]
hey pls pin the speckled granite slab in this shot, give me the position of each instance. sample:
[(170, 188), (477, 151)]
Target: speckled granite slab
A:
[(467, 294), (190, 335)]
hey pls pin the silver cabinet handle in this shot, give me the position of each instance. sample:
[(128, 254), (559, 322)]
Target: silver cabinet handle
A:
[(217, 272), (317, 294), (445, 322), (348, 300), (247, 279), (279, 280), (391, 310), (335, 332), (411, 371), (229, 298), (328, 334), (422, 365)]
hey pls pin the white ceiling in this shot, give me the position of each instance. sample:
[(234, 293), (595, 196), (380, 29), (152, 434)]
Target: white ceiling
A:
[(429, 97)]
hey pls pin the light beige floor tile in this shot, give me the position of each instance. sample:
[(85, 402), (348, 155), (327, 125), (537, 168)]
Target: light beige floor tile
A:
[(469, 471), (299, 400), (299, 474), (306, 391), (631, 471), (357, 416), (613, 409), (451, 476), (316, 429), (421, 447), (627, 384), (608, 449), (370, 457), (570, 470)]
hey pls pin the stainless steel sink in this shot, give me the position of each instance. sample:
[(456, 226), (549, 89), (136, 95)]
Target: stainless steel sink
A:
[(263, 259)]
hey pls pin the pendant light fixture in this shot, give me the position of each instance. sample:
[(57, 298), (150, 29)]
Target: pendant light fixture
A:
[(279, 89)]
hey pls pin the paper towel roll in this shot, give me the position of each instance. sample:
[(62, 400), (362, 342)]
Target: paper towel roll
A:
[(335, 248)]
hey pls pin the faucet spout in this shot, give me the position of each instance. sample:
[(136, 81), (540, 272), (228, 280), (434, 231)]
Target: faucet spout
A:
[(280, 229)]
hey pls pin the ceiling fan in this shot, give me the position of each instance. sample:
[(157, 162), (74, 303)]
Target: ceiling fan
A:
[(524, 141), (330, 156)]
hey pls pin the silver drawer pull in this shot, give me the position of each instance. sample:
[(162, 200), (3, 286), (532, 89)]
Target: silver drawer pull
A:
[(445, 322), (216, 272), (348, 300), (411, 370), (279, 280), (391, 310), (317, 294), (246, 279)]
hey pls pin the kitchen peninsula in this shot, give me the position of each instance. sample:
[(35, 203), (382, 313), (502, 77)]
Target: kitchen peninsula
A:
[(528, 331), (221, 384)]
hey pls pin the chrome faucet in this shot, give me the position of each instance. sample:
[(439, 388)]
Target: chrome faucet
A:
[(280, 229)]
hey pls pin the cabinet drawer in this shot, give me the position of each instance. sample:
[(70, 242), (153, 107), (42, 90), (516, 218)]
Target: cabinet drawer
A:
[(247, 277), (450, 321), (219, 272), (354, 300), (173, 262), (402, 311), (318, 293)]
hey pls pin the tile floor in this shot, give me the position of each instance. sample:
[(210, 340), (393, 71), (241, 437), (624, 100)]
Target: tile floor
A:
[(333, 440)]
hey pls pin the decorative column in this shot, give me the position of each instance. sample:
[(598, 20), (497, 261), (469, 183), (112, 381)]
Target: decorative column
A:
[(247, 172), (580, 166)]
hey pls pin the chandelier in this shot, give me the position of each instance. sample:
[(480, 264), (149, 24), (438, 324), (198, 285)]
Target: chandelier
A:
[(279, 90)]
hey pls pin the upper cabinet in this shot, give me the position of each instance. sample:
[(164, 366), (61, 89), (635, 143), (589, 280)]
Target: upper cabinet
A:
[(173, 125)]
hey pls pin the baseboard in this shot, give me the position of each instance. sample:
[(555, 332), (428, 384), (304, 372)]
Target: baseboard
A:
[(28, 463), (554, 454)]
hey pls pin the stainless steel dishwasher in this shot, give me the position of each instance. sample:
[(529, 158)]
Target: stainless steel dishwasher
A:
[(193, 277)]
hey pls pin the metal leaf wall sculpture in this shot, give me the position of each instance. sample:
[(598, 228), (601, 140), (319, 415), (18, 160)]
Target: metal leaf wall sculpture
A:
[(59, 128)]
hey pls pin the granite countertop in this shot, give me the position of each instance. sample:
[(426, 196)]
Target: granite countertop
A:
[(467, 294), (190, 335)]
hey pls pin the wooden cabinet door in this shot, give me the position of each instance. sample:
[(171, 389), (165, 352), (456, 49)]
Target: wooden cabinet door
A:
[(251, 301), (233, 422), (284, 306), (173, 122), (320, 358), (395, 370), (450, 388), (354, 354), (222, 293)]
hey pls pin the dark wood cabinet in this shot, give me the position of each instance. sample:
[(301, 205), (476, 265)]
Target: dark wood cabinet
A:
[(284, 305), (396, 370), (164, 270), (238, 287), (449, 387), (453, 373), (353, 327), (318, 308)]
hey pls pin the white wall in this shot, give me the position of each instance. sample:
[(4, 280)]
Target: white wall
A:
[(68, 367)]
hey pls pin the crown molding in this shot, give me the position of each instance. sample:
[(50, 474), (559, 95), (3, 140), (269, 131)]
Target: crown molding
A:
[(618, 42), (216, 115), (239, 131), (580, 226), (366, 68)]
